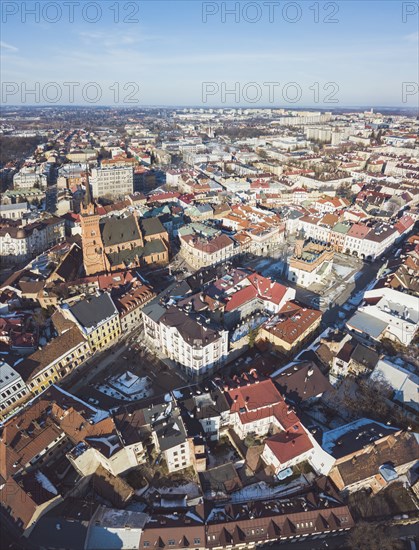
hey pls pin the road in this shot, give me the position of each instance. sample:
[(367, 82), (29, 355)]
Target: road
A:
[(362, 275), (121, 357), (365, 276)]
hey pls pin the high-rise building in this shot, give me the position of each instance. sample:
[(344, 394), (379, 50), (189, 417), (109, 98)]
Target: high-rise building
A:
[(115, 181)]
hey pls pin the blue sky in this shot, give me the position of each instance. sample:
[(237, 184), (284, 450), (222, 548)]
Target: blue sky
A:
[(168, 52)]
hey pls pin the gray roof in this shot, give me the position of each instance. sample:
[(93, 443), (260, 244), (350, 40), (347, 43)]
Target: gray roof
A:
[(119, 519), (170, 433), (154, 310), (367, 324), (92, 311), (302, 381), (17, 206), (365, 356), (166, 423), (151, 226), (188, 327), (70, 534), (155, 246), (207, 403), (132, 255), (126, 256), (119, 230), (354, 436)]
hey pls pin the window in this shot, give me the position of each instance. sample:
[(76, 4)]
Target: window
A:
[(146, 543), (171, 542), (197, 541)]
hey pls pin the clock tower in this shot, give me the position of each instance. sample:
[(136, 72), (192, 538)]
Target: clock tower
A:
[(93, 254)]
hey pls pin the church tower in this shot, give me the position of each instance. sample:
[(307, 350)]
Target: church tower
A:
[(93, 254), (299, 245)]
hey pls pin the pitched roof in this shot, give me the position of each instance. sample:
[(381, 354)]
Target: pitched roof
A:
[(119, 230), (292, 321), (151, 226), (188, 327), (35, 363), (289, 444), (399, 449), (259, 399), (268, 289), (94, 310), (302, 381), (222, 479), (359, 231)]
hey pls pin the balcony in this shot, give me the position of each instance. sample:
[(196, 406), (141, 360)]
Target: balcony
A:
[(150, 332)]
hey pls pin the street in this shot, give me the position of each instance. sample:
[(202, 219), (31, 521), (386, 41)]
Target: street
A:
[(330, 297), (127, 354)]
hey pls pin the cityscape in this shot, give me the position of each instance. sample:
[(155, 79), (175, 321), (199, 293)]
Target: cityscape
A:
[(209, 283)]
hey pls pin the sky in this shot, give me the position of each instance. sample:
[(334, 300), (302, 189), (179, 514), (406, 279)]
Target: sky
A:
[(192, 53)]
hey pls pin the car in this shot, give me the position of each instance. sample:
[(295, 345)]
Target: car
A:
[(93, 401)]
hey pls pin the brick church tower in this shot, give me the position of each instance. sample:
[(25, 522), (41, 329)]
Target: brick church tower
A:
[(93, 255)]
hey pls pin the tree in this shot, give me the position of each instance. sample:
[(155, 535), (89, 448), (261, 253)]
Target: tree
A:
[(40, 317), (370, 536), (252, 336), (344, 190)]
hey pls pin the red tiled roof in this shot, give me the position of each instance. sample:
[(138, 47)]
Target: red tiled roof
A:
[(359, 231), (292, 321), (268, 289), (404, 224), (260, 399), (163, 196), (289, 444), (239, 298)]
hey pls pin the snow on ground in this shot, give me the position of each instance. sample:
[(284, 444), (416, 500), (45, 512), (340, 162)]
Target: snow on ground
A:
[(190, 489), (243, 330), (136, 506), (127, 386), (342, 270), (260, 265), (262, 491), (274, 270), (45, 482), (130, 384)]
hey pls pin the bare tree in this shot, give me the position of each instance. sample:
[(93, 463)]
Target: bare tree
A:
[(370, 536)]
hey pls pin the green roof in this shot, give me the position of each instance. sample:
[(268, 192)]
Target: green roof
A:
[(119, 230), (341, 228)]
